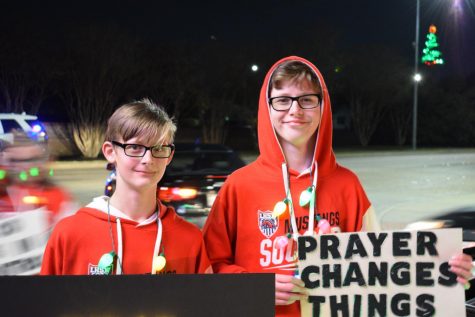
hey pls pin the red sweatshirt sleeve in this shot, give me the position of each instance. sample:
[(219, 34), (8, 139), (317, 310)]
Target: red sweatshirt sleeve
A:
[(52, 258), (203, 264), (220, 232)]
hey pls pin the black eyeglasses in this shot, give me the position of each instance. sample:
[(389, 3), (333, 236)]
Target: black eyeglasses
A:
[(283, 103), (139, 150)]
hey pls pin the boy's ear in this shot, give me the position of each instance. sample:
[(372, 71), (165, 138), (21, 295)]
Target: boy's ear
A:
[(169, 160), (108, 151)]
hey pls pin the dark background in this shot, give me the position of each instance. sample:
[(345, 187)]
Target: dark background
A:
[(253, 22), (194, 57)]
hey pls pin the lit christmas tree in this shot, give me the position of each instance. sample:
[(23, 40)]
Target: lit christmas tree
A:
[(430, 54)]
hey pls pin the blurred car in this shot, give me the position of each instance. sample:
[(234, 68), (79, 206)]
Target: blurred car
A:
[(458, 218), (193, 178), (21, 122)]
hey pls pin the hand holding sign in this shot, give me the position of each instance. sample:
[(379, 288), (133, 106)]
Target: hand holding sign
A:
[(461, 264), (288, 289)]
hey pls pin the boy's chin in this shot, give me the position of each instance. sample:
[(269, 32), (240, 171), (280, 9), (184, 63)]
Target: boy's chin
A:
[(143, 186)]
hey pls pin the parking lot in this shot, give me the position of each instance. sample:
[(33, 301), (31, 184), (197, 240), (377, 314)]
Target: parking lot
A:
[(405, 186), (402, 185)]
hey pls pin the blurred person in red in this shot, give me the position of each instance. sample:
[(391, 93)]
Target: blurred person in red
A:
[(30, 204), (4, 203)]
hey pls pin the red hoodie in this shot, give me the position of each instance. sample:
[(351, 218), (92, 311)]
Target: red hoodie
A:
[(78, 242), (240, 231)]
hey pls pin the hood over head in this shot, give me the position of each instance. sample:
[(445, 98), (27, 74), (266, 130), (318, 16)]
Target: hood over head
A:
[(271, 154)]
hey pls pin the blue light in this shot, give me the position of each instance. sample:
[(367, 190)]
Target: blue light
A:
[(38, 132), (37, 128)]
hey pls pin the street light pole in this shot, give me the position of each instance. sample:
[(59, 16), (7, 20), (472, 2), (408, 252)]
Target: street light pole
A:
[(416, 79)]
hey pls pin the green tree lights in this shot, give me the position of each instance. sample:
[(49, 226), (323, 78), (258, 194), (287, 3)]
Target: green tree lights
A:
[(430, 54)]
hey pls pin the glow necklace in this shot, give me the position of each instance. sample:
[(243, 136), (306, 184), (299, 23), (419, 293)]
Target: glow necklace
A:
[(106, 261), (306, 197)]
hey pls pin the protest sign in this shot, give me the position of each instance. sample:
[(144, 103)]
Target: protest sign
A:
[(389, 273)]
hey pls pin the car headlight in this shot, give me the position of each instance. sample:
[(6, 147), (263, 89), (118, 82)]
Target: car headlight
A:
[(429, 224)]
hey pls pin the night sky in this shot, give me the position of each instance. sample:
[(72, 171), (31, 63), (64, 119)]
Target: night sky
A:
[(239, 22)]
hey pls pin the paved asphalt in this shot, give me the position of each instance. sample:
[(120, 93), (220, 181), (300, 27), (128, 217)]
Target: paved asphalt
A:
[(403, 186), (407, 186)]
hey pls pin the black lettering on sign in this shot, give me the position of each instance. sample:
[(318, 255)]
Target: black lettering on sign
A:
[(424, 274), (447, 277), (354, 275), (341, 306), (377, 242), (400, 243), (306, 244), (379, 273), (400, 273), (426, 242), (305, 276), (328, 275), (357, 306), (329, 244), (425, 305), (355, 247), (375, 305), (316, 301), (400, 304)]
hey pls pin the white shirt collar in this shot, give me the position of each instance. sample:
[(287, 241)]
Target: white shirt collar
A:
[(100, 203)]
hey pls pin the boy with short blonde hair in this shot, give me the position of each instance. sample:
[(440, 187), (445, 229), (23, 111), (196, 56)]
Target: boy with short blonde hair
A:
[(131, 232)]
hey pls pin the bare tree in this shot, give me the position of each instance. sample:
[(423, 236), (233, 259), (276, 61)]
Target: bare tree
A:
[(214, 114), (221, 89), (24, 79), (375, 78), (400, 114), (169, 76), (202, 84), (94, 80)]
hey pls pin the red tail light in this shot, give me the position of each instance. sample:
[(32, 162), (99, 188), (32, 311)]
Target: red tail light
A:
[(167, 194), (216, 176)]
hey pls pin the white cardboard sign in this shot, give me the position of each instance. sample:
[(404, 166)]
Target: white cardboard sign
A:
[(388, 273)]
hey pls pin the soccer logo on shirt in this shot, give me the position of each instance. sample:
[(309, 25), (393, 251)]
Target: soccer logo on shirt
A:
[(267, 224)]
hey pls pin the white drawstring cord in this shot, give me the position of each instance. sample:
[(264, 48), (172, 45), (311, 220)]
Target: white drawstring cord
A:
[(312, 201), (118, 270), (158, 239), (311, 212)]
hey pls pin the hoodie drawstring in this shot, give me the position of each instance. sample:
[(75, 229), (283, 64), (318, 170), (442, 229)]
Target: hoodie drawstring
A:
[(120, 247), (311, 212), (158, 241), (156, 249), (118, 270)]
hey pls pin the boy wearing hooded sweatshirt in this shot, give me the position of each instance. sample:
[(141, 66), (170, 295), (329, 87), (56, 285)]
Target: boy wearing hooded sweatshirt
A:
[(294, 187), (132, 232)]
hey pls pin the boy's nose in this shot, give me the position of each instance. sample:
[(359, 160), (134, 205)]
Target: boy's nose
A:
[(295, 107), (147, 156)]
